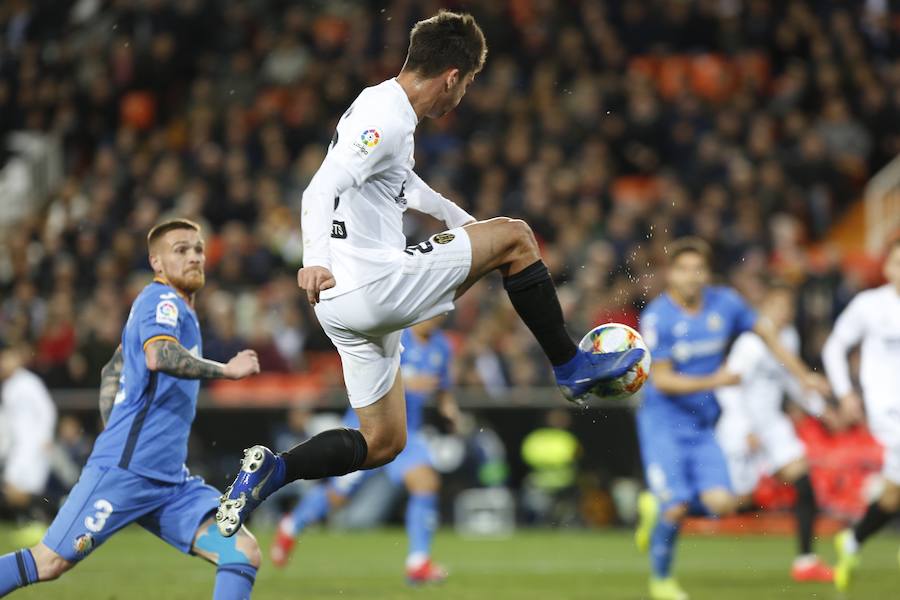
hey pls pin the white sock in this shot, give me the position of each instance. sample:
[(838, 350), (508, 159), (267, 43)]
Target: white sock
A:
[(805, 560), (851, 544), (416, 560)]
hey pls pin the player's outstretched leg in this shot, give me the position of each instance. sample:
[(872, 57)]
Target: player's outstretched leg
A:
[(848, 542), (380, 438), (30, 565), (509, 246), (312, 508)]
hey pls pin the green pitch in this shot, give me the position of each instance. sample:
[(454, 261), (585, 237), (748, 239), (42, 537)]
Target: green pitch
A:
[(533, 565)]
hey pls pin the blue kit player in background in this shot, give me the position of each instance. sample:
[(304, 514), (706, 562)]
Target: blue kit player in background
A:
[(425, 363), (688, 330), (148, 399)]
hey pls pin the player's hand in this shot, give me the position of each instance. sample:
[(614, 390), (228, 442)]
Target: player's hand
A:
[(852, 408), (723, 377), (832, 419), (753, 443), (242, 364), (314, 280), (815, 382), (450, 412)]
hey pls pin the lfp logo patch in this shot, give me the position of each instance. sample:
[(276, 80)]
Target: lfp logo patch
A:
[(370, 138), (167, 313)]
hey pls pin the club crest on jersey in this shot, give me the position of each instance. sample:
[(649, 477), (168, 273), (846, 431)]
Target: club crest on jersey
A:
[(83, 544), (443, 238), (167, 313), (714, 322)]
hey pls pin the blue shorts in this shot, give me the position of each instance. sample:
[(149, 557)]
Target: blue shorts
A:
[(106, 499), (680, 463), (415, 454)]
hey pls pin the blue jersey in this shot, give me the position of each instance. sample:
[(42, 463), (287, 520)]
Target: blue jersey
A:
[(696, 344), (430, 358), (148, 428)]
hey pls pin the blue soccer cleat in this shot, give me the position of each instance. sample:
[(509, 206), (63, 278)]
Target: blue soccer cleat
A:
[(262, 472), (589, 369)]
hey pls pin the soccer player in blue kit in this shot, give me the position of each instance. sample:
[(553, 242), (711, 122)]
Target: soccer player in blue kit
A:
[(425, 363), (688, 330), (148, 399)]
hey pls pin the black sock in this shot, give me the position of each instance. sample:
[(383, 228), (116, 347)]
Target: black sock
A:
[(534, 297), (805, 512), (874, 519), (330, 454)]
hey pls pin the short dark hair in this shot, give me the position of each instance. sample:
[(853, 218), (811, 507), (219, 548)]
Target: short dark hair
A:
[(690, 244), (161, 229), (445, 41)]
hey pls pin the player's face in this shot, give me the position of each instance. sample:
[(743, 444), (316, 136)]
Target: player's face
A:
[(179, 257), (688, 275), (452, 93), (892, 267), (779, 307)]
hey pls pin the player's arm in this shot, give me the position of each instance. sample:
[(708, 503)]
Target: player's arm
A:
[(168, 356), (448, 408), (329, 182), (421, 197), (847, 333), (807, 378), (669, 381), (110, 375)]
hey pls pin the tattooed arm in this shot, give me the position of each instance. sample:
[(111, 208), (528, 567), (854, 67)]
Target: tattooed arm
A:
[(172, 358), (109, 383)]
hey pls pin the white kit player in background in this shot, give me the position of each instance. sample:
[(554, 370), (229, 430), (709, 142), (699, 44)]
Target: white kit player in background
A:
[(871, 321), (758, 437), (367, 285), (28, 425)]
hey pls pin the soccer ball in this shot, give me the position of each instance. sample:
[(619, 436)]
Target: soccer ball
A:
[(616, 337)]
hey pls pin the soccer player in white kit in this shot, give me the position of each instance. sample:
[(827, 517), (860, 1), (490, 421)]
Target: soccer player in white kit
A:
[(367, 285), (29, 421), (871, 320), (758, 437)]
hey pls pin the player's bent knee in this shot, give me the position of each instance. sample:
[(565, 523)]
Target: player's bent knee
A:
[(890, 497), (50, 565), (675, 513), (423, 480), (720, 502)]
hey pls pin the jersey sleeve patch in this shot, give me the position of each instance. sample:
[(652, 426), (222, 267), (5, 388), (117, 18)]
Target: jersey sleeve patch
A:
[(167, 313), (367, 141)]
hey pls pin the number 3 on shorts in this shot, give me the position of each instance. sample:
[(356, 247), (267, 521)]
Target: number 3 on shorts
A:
[(96, 523)]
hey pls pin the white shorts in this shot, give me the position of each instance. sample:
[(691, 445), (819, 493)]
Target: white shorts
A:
[(365, 324), (28, 467), (883, 416), (779, 446)]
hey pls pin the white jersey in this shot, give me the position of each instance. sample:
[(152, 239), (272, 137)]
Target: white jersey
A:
[(873, 319), (352, 210), (29, 421), (764, 380)]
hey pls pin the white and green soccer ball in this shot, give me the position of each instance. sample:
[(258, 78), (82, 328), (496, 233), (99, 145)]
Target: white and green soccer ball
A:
[(616, 337)]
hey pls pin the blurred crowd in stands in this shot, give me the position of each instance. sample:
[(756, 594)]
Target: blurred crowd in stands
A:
[(610, 126)]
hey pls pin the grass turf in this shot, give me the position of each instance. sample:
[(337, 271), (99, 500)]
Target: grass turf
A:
[(532, 565)]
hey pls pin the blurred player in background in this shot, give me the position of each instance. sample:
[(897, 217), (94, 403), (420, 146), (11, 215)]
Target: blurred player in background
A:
[(425, 363), (872, 321), (688, 329), (366, 288), (757, 436), (148, 399), (27, 423)]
